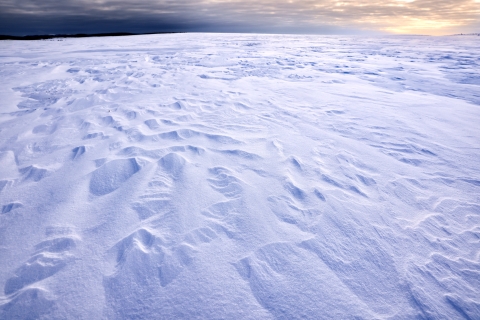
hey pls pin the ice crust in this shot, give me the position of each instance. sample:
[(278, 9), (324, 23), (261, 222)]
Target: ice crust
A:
[(230, 176)]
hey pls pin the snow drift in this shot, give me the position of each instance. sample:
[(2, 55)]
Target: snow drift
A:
[(206, 176)]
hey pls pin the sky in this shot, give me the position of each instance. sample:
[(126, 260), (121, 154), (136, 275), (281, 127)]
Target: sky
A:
[(432, 17)]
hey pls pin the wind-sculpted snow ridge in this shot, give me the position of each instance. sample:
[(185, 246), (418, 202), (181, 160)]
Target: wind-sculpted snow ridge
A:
[(206, 176)]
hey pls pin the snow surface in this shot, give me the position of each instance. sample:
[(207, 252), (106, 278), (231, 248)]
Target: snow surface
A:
[(207, 176)]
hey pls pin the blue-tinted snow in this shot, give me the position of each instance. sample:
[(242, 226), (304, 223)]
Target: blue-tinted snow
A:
[(240, 177)]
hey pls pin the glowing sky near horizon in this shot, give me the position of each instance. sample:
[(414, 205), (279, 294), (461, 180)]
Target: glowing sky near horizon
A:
[(433, 17)]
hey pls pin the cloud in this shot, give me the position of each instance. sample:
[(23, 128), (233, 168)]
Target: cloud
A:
[(323, 16)]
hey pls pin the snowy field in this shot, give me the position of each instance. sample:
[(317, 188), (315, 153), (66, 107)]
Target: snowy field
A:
[(208, 176)]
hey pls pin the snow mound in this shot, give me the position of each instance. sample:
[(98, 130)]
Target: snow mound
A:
[(110, 176)]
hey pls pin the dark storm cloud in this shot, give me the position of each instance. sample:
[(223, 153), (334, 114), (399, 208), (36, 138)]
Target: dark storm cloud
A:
[(328, 16)]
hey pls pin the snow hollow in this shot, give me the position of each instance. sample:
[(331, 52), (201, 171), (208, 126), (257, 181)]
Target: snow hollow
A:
[(231, 176)]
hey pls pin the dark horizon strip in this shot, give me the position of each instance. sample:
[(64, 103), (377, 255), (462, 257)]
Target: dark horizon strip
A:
[(78, 35)]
